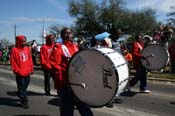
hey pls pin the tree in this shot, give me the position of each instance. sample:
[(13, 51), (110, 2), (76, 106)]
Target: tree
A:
[(56, 29), (109, 16), (171, 16), (85, 11)]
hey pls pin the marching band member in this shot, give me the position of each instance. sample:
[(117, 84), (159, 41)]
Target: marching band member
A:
[(59, 60), (45, 52), (140, 74), (22, 67)]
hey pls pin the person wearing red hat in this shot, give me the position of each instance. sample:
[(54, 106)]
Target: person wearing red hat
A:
[(45, 52), (22, 67), (60, 56)]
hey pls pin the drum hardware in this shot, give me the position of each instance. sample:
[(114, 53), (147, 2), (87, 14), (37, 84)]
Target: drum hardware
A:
[(83, 85), (106, 54), (151, 55), (120, 65), (147, 61), (123, 81)]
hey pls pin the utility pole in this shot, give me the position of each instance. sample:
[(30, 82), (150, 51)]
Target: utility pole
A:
[(44, 32), (15, 32)]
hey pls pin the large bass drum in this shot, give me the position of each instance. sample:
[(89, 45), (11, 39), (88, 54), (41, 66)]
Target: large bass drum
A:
[(97, 75), (156, 57)]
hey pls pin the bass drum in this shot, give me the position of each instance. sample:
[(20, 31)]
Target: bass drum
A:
[(97, 75), (156, 57)]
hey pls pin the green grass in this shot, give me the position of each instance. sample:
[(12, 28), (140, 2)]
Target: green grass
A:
[(161, 75), (157, 74)]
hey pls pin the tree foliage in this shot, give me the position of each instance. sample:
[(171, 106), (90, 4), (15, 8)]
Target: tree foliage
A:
[(56, 29), (92, 18), (171, 16)]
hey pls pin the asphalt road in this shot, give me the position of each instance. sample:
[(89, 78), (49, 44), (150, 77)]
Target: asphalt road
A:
[(160, 102)]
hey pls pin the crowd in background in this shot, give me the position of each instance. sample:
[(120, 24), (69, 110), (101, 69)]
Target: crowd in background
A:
[(163, 35)]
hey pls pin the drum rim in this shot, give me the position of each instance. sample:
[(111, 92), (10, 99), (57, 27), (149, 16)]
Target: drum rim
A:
[(168, 56), (110, 61)]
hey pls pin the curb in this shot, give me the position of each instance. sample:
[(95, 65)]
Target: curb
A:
[(161, 80)]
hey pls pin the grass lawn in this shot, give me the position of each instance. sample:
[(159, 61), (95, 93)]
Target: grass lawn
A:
[(158, 74), (164, 75)]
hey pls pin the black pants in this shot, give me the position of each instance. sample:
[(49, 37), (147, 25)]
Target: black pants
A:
[(47, 77), (69, 101), (140, 75), (22, 85)]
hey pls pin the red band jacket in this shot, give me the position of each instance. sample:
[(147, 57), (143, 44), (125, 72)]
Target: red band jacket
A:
[(59, 61)]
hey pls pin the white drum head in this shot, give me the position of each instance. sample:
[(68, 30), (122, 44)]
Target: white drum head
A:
[(157, 57), (92, 77)]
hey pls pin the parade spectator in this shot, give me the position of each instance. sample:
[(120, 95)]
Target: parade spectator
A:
[(45, 53), (116, 34), (4, 55), (167, 32), (22, 67), (141, 72), (172, 56), (59, 60), (34, 52)]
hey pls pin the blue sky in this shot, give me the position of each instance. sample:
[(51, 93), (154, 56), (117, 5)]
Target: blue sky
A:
[(28, 15)]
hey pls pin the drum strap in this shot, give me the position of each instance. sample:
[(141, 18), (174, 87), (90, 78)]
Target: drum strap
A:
[(140, 47), (66, 51)]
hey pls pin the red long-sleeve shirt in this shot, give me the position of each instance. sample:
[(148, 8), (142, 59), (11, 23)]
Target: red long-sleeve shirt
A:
[(45, 53), (59, 62), (21, 59), (136, 53)]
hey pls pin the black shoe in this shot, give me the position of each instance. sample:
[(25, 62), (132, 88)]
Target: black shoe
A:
[(47, 93), (117, 100), (25, 105), (109, 105)]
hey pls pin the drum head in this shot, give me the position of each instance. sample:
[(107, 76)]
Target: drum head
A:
[(92, 78), (157, 57)]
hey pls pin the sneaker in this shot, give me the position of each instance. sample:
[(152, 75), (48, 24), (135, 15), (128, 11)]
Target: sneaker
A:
[(145, 91), (118, 101)]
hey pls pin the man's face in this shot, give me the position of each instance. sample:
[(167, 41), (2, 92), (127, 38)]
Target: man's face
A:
[(23, 42), (67, 35), (51, 39)]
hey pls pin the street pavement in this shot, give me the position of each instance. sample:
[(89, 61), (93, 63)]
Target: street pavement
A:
[(41, 105)]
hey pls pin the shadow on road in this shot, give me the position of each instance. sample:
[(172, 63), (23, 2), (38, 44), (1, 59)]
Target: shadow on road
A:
[(29, 93), (9, 102), (29, 115), (128, 93), (55, 101)]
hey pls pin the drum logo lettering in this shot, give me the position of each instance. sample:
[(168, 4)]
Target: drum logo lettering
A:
[(107, 72)]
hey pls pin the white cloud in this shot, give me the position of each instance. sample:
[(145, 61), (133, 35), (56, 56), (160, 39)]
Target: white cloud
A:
[(163, 6), (27, 19)]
